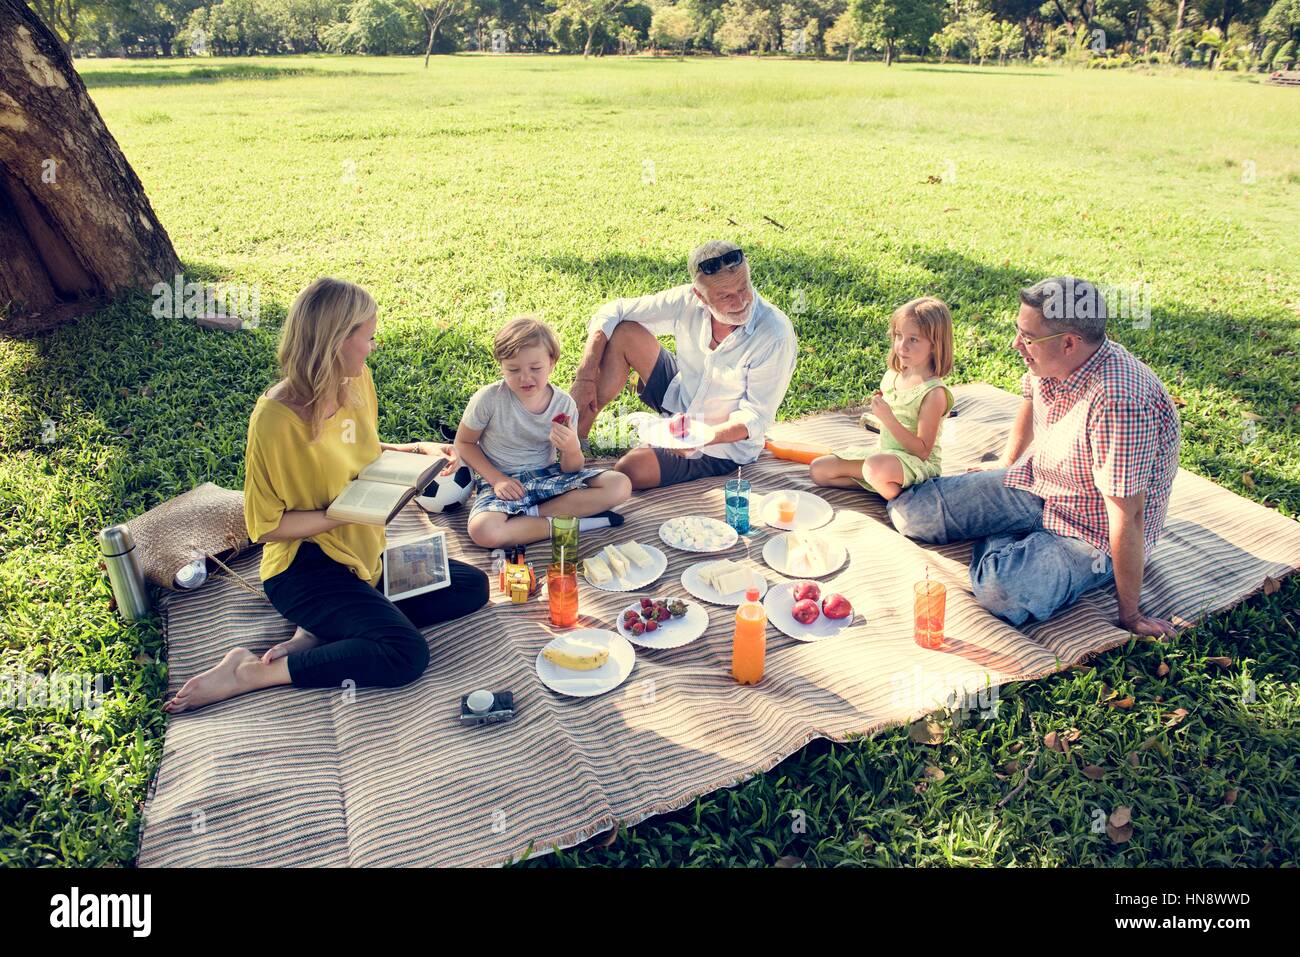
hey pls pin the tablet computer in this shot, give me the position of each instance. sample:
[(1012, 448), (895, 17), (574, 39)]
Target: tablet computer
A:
[(415, 565)]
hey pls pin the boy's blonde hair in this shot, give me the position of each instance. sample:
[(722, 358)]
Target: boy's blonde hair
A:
[(321, 317), (520, 333), (932, 317)]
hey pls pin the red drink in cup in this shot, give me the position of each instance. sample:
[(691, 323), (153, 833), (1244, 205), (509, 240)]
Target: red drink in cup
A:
[(928, 610), (562, 594)]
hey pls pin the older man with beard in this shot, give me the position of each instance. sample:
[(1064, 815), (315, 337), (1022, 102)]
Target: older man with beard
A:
[(735, 357)]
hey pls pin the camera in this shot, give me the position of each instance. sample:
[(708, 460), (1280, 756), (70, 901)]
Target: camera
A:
[(487, 707)]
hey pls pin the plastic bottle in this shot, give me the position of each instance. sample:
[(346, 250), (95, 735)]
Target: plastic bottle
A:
[(749, 645)]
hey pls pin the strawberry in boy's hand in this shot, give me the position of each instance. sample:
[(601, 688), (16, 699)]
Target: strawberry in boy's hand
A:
[(561, 419)]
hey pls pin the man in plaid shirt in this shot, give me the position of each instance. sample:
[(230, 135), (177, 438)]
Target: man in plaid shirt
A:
[(1087, 502)]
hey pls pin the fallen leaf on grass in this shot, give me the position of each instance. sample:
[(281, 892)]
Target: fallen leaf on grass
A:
[(925, 731), (1016, 746), (1120, 824), (1163, 670), (1122, 703), (933, 773), (1179, 401), (1271, 585), (789, 861), (1133, 759), (1176, 717), (1093, 773), (1223, 661), (144, 658), (1247, 480), (1231, 797), (609, 838), (1011, 767)]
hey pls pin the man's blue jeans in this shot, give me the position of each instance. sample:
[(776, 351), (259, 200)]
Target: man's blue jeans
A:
[(1019, 570)]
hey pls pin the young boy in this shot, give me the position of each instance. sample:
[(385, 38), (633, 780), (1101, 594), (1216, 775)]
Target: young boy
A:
[(510, 434)]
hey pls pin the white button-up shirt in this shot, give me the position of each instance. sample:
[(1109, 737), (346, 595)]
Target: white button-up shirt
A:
[(743, 380)]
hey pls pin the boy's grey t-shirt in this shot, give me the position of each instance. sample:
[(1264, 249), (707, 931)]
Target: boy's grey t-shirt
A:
[(514, 439)]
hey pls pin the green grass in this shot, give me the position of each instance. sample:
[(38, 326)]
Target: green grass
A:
[(527, 175)]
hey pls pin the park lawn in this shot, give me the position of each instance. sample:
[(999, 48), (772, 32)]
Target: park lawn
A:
[(487, 186)]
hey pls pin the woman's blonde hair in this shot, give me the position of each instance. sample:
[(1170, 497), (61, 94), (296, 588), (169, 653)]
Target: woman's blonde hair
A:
[(520, 333), (935, 322), (321, 317)]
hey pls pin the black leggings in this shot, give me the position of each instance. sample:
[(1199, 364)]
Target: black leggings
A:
[(364, 636)]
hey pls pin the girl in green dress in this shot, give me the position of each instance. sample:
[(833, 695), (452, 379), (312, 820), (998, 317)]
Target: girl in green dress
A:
[(909, 407)]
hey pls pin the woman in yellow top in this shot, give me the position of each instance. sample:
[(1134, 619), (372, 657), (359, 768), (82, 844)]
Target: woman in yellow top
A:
[(309, 436)]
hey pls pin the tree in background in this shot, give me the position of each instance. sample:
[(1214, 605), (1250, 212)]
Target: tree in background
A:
[(673, 27), (846, 34), (434, 13), (591, 15), (378, 27), (889, 24)]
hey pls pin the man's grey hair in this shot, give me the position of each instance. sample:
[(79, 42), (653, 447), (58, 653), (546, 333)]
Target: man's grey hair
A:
[(1068, 304), (714, 247)]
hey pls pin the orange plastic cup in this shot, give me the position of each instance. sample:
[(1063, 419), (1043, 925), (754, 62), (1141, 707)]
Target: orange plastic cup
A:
[(786, 509), (929, 604), (562, 594)]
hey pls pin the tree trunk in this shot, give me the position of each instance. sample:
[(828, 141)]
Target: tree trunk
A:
[(591, 32), (889, 53), (428, 22), (75, 224), (1178, 24)]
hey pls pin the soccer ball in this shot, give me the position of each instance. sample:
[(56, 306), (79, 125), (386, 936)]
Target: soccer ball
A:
[(448, 492)]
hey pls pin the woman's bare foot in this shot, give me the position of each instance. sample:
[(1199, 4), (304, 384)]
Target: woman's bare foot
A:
[(301, 641), (239, 672)]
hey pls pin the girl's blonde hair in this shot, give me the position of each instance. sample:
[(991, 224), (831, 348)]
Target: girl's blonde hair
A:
[(935, 322), (321, 317), (520, 333)]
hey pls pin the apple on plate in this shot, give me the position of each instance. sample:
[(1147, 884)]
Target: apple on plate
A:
[(836, 606), (805, 611), (810, 590)]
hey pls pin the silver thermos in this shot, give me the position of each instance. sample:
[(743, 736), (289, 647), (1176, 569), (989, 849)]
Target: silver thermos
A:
[(124, 572)]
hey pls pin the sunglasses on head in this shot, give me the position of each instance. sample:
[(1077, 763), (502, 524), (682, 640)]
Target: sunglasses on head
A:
[(710, 266)]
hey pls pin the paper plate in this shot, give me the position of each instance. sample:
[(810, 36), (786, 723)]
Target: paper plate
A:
[(698, 587), (636, 577), (779, 601), (813, 511), (774, 553), (656, 433), (587, 684), (672, 633), (726, 534)]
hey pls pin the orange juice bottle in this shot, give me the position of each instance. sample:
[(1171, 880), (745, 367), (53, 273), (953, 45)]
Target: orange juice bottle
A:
[(749, 644)]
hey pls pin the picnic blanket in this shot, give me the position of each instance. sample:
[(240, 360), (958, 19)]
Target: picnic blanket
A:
[(389, 777)]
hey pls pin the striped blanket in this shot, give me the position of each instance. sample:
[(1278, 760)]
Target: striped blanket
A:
[(389, 777)]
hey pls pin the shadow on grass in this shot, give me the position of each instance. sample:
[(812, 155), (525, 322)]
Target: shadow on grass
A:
[(206, 74)]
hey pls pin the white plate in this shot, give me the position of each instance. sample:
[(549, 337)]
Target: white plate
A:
[(780, 600), (655, 432), (636, 577), (726, 530), (672, 633), (587, 684), (774, 553), (813, 511), (701, 589)]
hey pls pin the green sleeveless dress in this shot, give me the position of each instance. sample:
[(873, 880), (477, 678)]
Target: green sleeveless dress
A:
[(906, 405)]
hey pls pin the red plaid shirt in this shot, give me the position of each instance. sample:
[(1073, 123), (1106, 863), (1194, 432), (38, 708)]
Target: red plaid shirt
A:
[(1108, 428)]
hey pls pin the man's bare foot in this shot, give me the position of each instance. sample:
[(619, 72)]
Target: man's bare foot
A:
[(239, 672), (302, 640)]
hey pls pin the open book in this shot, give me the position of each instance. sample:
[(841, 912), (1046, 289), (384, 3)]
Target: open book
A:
[(384, 486)]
